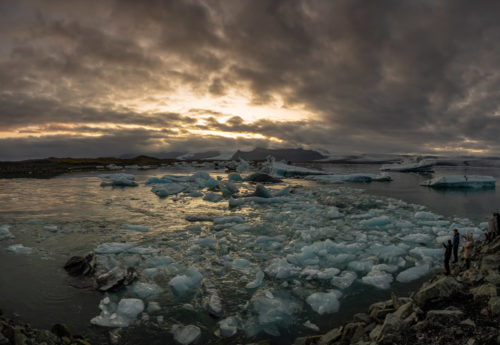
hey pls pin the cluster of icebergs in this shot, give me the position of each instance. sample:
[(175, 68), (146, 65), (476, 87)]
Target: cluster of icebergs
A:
[(294, 251)]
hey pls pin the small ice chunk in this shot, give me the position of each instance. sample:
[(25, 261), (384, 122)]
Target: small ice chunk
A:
[(19, 249), (5, 233), (212, 197), (235, 177), (114, 247), (324, 302), (206, 242), (426, 215), (379, 279), (262, 192), (259, 276), (376, 222), (153, 307), (311, 325), (118, 316), (51, 228), (120, 179), (164, 190), (344, 280), (183, 283), (413, 273), (34, 221), (228, 327), (133, 227), (185, 334), (282, 269), (333, 213)]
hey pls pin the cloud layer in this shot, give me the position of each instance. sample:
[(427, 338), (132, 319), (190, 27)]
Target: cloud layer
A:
[(112, 77)]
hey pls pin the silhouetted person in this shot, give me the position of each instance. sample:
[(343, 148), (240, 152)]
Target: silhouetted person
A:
[(447, 256), (456, 242)]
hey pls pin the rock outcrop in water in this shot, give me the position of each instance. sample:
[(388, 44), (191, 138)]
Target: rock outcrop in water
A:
[(461, 309)]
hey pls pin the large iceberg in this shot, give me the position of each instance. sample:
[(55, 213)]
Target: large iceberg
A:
[(415, 164), (459, 181)]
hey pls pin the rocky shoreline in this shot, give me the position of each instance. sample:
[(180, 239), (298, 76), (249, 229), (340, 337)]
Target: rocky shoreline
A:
[(460, 309)]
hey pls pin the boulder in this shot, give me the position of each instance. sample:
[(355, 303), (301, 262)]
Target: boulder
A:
[(330, 337), (490, 263), (115, 279), (443, 288), (78, 265), (494, 306), (443, 316), (485, 290), (493, 278), (352, 332)]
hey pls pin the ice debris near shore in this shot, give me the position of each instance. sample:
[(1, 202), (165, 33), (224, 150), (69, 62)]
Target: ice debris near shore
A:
[(121, 315), (459, 181), (290, 258), (20, 249), (134, 227), (5, 234), (186, 334), (119, 179)]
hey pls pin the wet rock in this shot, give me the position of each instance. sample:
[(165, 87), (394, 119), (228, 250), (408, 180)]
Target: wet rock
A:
[(352, 332), (362, 317), (115, 279), (331, 336), (392, 325), (404, 311), (485, 290), (60, 330), (468, 323), (490, 263), (261, 178), (443, 288), (80, 266), (444, 316), (493, 278), (494, 306)]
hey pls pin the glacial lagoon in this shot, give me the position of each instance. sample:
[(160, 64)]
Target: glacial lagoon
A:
[(299, 263)]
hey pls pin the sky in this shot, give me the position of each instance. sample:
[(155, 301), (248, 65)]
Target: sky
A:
[(106, 77)]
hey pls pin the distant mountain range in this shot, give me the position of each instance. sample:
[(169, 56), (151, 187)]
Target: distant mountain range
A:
[(294, 155)]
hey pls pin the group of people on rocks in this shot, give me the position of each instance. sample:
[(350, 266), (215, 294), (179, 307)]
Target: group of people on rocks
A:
[(452, 247)]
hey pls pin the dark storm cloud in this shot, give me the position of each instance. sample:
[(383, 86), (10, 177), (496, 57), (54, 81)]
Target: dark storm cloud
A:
[(384, 76)]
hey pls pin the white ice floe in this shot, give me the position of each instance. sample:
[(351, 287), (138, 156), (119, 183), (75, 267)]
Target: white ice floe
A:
[(120, 179), (186, 334), (50, 228), (379, 279), (19, 249), (344, 280), (259, 277), (164, 190), (134, 227), (228, 327), (281, 269), (121, 315), (461, 181), (153, 307), (285, 170), (359, 178), (183, 283), (324, 302), (5, 234), (413, 273)]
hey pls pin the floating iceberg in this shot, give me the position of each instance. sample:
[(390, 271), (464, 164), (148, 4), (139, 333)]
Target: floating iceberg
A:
[(285, 170), (413, 273), (411, 164), (186, 334), (379, 279), (120, 179), (20, 249), (228, 327), (114, 247), (5, 234), (50, 228), (183, 283), (118, 316), (164, 190), (358, 178), (458, 181), (324, 302)]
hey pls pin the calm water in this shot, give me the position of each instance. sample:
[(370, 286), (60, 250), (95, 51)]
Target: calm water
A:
[(36, 288)]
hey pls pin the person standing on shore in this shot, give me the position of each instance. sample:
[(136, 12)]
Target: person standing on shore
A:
[(456, 242), (492, 227), (467, 250), (447, 256)]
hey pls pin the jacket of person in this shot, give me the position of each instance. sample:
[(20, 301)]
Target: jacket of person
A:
[(456, 240), (468, 247), (447, 253)]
